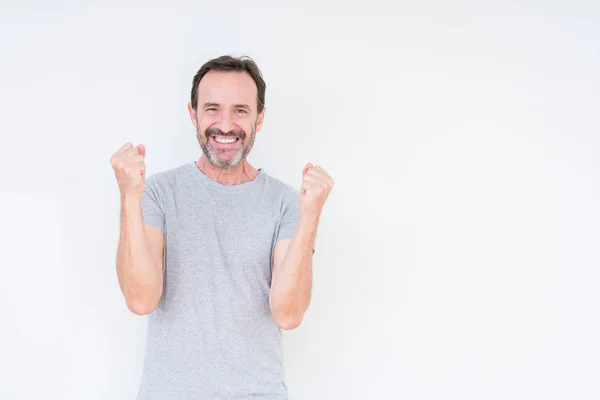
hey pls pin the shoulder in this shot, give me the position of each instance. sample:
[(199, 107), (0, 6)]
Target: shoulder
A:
[(280, 188), (168, 175), (167, 179)]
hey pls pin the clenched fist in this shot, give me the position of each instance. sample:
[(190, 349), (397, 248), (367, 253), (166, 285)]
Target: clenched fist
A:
[(316, 186), (130, 170)]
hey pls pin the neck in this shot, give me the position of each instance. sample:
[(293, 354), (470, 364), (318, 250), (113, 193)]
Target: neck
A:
[(244, 172)]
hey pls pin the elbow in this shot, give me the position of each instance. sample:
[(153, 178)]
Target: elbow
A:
[(140, 307), (287, 315), (142, 303), (289, 324), (287, 321)]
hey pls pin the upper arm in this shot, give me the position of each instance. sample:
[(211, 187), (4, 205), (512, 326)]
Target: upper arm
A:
[(279, 252), (155, 240), (153, 211), (154, 227), (287, 227)]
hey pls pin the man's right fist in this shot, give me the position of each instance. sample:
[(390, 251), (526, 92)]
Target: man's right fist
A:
[(130, 170)]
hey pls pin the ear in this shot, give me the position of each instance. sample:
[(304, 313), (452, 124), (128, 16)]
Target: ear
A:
[(193, 116), (260, 119)]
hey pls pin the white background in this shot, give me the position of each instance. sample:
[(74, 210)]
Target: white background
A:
[(458, 255)]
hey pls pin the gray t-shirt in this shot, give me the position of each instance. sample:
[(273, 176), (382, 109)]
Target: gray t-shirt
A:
[(212, 335)]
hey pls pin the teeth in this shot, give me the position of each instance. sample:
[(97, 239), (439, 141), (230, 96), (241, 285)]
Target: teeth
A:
[(225, 140)]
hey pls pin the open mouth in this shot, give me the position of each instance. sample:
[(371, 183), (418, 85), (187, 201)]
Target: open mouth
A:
[(225, 140)]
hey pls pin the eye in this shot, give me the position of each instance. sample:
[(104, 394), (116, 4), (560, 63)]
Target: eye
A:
[(211, 109), (241, 111)]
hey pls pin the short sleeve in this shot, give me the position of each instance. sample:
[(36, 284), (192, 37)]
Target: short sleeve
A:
[(152, 205), (290, 217)]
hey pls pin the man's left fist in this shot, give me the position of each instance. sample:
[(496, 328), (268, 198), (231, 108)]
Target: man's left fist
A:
[(316, 186)]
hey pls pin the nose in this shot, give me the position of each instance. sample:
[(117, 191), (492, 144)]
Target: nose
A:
[(225, 122)]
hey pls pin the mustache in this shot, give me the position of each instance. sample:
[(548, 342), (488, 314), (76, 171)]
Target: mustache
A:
[(217, 132)]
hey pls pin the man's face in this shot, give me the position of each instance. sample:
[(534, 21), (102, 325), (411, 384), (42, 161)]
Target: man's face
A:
[(226, 118)]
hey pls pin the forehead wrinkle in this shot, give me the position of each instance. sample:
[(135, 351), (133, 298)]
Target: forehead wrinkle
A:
[(227, 88)]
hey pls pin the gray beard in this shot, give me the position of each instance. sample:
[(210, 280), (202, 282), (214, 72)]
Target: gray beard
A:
[(237, 159)]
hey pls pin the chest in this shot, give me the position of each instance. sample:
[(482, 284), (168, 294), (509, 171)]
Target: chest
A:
[(221, 240)]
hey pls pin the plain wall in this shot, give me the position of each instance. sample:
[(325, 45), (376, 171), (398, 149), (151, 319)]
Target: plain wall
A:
[(458, 254)]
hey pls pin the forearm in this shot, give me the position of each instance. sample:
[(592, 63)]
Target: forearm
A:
[(139, 278), (292, 285)]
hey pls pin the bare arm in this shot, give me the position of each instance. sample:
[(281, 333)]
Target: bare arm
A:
[(291, 284), (139, 259), (140, 251)]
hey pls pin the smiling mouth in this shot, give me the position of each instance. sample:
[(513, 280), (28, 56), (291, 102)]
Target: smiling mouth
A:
[(225, 139)]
